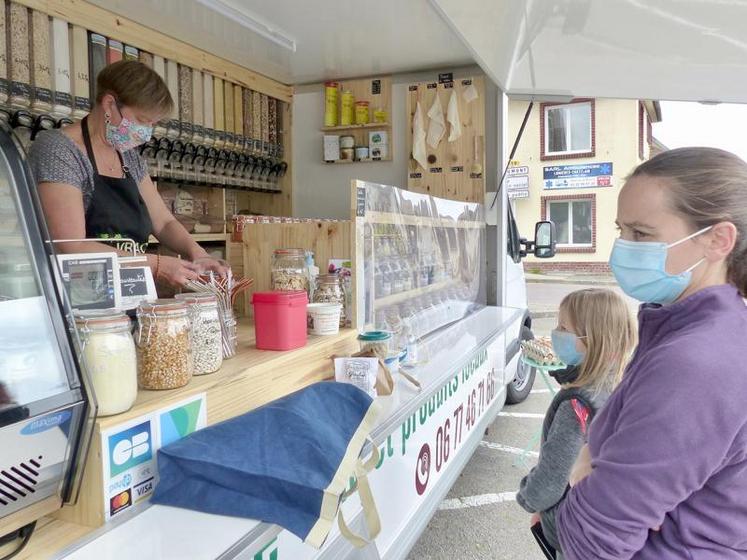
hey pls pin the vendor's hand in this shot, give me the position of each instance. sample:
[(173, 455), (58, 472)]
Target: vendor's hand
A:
[(582, 467), (535, 519), (176, 272), (207, 264)]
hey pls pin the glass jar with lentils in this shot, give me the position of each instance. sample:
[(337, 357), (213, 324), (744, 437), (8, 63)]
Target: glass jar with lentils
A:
[(207, 338), (164, 346)]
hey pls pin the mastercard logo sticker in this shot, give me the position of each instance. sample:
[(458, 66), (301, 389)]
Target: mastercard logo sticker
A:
[(119, 502)]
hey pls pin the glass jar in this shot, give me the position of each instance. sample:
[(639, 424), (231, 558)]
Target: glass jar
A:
[(289, 271), (111, 360), (207, 337), (229, 332), (375, 341), (163, 343), (329, 290)]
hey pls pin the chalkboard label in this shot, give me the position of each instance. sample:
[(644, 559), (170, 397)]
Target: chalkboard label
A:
[(133, 282), (63, 98), (4, 86), (187, 128), (437, 169), (43, 94), (446, 77), (466, 82), (413, 88), (475, 175), (457, 169), (360, 202), (82, 104), (449, 85), (375, 87), (416, 175), (432, 86), (20, 89)]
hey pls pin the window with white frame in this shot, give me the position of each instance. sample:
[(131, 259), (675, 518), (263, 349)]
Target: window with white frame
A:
[(568, 129), (573, 221)]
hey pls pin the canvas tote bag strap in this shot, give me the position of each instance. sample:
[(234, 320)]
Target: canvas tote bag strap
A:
[(370, 512)]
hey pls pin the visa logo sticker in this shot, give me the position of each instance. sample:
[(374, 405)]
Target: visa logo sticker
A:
[(130, 447), (46, 422), (143, 489)]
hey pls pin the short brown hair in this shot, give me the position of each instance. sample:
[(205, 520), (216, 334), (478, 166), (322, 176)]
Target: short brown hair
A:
[(604, 319), (707, 186), (135, 85)]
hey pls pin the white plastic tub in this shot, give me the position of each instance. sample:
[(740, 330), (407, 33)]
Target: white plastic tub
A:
[(323, 318)]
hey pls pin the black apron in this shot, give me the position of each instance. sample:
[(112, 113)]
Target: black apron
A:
[(116, 210)]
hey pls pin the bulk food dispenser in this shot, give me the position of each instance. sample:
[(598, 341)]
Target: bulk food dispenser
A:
[(46, 410)]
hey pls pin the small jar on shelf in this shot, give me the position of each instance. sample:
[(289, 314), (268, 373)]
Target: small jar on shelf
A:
[(289, 272), (329, 290)]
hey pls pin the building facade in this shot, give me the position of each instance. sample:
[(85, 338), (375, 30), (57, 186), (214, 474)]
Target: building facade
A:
[(569, 167)]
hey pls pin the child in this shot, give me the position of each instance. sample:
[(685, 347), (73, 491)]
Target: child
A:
[(595, 337)]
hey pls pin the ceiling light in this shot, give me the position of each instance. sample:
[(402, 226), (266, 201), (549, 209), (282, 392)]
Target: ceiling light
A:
[(249, 22)]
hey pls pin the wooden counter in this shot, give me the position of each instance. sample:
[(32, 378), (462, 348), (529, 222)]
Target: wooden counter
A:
[(250, 379)]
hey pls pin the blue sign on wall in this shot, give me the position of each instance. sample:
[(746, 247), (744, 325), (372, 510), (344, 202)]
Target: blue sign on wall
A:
[(584, 175)]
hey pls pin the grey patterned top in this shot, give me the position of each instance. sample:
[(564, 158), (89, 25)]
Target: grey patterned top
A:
[(55, 158)]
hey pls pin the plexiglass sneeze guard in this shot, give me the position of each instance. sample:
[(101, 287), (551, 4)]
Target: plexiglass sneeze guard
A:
[(420, 260)]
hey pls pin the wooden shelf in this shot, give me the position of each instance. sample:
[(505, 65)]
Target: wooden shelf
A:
[(410, 294), (355, 127), (367, 160), (199, 237)]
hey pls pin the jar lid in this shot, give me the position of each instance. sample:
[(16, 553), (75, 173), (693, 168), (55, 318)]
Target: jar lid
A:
[(100, 317), (374, 336), (197, 297), (278, 297), (328, 278), (162, 306), (366, 103), (290, 252)]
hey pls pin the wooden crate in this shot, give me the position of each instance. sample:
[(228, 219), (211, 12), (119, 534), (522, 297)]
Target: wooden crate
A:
[(327, 239), (456, 170)]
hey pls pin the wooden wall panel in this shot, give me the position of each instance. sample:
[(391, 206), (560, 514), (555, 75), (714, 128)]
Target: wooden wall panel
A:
[(456, 170)]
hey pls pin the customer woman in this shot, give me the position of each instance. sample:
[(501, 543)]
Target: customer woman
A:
[(94, 184), (665, 471)]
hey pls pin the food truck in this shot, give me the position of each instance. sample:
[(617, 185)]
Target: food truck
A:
[(368, 140)]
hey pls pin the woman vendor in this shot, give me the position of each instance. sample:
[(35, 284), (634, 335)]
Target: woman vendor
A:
[(93, 183)]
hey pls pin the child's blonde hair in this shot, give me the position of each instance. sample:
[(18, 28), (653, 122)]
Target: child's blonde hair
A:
[(604, 319)]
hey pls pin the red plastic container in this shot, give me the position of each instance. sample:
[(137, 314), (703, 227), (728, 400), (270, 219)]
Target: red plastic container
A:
[(280, 320)]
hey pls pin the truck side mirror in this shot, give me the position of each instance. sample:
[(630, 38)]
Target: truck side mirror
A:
[(544, 240)]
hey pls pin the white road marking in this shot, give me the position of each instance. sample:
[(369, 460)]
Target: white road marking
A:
[(508, 449), (539, 391), (521, 415), (477, 501)]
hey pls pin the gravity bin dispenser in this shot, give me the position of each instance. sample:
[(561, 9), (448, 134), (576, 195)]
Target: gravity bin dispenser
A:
[(46, 410)]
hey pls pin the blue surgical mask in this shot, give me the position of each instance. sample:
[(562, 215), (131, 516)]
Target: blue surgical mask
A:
[(564, 345), (640, 269)]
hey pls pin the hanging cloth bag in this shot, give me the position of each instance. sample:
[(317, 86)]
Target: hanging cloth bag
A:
[(289, 462)]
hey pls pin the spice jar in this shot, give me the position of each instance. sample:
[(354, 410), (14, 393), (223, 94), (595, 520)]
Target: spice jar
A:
[(164, 348), (289, 270), (110, 358), (207, 338), (329, 290), (361, 112), (375, 341)]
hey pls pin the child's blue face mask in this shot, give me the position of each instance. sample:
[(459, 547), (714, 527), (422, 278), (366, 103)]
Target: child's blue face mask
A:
[(564, 345), (640, 269)]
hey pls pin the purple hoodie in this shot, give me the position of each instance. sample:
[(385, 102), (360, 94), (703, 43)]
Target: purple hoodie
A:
[(670, 447)]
